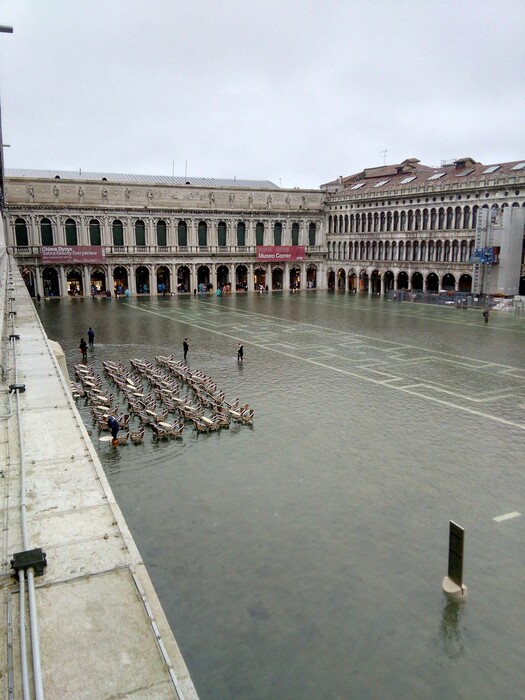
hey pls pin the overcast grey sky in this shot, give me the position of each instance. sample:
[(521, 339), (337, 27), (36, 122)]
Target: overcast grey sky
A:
[(294, 91)]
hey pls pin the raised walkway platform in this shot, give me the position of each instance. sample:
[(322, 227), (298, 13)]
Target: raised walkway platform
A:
[(91, 626)]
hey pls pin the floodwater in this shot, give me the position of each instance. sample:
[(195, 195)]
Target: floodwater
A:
[(303, 557)]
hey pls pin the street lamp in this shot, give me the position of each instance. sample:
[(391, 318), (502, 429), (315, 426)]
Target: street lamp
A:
[(6, 30)]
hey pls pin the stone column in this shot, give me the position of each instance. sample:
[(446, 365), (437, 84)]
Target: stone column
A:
[(250, 276), (82, 234), (105, 239), (132, 279), (192, 233), (39, 285), (32, 232), (63, 291), (148, 240), (303, 276), (250, 233), (86, 279)]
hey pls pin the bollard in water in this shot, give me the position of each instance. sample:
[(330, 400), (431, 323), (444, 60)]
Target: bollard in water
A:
[(453, 586)]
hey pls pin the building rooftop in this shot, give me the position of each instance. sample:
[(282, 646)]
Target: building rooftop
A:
[(412, 172), (123, 178)]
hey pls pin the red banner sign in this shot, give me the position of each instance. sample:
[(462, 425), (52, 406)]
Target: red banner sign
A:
[(280, 252), (71, 254)]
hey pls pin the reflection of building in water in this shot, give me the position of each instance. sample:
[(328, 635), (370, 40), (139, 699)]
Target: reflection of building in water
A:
[(401, 226), (451, 629)]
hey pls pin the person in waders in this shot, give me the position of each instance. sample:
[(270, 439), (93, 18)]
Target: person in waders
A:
[(114, 427)]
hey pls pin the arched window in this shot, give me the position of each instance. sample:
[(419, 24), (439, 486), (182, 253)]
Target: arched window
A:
[(455, 249), (295, 234), (21, 237), (474, 216), (450, 217), (441, 218), (202, 234), (433, 218), (382, 220), (415, 251), (446, 253), (277, 233), (221, 234), (312, 235), (466, 217), (346, 223), (162, 237), (330, 224), (417, 225), (336, 222), (431, 251), (259, 233), (71, 232), (463, 251), (140, 233), (439, 251), (352, 225), (457, 218), (389, 221), (182, 234), (118, 232), (425, 220), (402, 226), (410, 226), (46, 232), (396, 221), (94, 232), (241, 234)]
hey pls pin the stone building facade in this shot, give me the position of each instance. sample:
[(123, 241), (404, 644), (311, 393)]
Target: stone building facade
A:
[(411, 226), (459, 227), (75, 233)]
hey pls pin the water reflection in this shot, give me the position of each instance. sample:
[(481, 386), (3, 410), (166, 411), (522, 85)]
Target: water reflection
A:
[(451, 629)]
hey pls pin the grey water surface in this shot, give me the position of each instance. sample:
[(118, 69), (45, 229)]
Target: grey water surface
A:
[(303, 557)]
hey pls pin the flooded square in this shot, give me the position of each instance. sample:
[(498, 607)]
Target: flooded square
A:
[(303, 557)]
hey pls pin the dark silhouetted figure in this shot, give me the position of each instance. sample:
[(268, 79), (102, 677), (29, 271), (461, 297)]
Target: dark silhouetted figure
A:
[(185, 347), (83, 348), (114, 427), (240, 353), (486, 315)]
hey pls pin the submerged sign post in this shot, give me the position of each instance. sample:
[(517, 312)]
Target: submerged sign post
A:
[(455, 553), (453, 586)]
